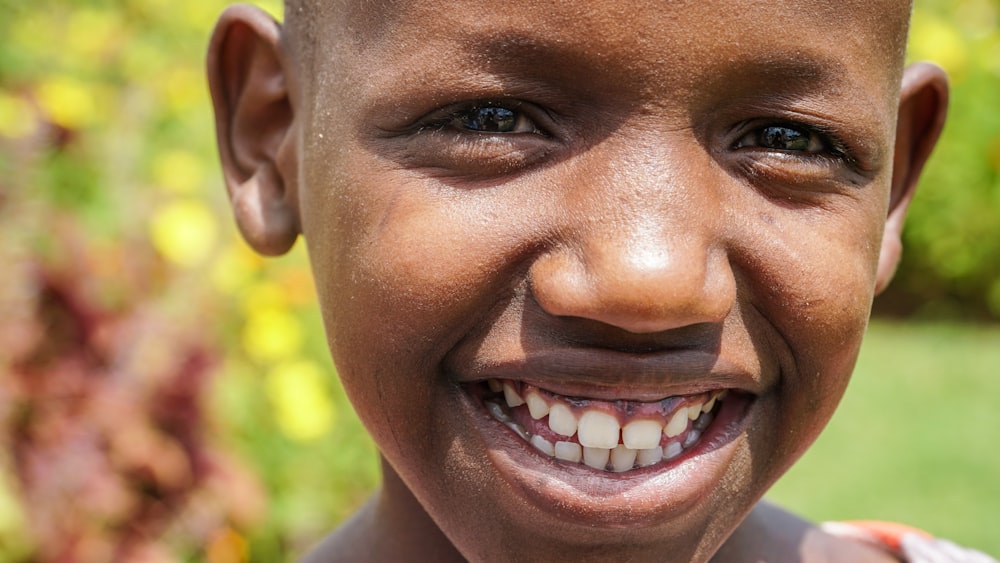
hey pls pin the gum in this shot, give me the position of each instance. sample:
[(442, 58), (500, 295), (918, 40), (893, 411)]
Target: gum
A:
[(623, 411)]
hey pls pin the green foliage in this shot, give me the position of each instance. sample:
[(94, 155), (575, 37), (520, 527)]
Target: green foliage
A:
[(951, 265)]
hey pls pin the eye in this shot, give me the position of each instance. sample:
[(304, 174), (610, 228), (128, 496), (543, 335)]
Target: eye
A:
[(484, 138), (489, 118), (784, 138)]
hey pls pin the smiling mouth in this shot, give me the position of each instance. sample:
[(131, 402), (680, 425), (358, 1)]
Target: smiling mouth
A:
[(610, 436)]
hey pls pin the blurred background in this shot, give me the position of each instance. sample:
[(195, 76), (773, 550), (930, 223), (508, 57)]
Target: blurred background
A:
[(166, 395)]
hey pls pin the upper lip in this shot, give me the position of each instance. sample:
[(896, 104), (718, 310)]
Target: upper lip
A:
[(611, 375)]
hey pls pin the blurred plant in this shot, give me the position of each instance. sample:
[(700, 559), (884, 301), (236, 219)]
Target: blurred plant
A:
[(142, 341), (103, 410)]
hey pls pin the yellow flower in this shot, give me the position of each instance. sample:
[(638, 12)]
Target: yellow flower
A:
[(68, 102), (184, 232), (271, 334), (303, 408), (935, 39)]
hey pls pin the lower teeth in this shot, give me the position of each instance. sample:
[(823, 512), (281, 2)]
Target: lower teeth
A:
[(518, 430), (497, 412)]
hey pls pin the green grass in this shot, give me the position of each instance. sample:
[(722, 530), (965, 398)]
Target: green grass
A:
[(915, 439)]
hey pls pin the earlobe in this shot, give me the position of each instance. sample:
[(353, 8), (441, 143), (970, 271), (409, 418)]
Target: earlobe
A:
[(923, 104), (252, 84)]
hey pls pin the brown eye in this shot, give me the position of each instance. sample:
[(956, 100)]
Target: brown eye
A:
[(783, 138), (493, 119)]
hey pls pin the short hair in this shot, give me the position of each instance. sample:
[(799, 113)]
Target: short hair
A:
[(300, 23)]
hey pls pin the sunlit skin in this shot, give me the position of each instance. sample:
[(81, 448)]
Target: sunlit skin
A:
[(613, 200)]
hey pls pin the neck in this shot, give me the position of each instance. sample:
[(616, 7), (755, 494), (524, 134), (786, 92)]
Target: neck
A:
[(413, 532), (391, 526)]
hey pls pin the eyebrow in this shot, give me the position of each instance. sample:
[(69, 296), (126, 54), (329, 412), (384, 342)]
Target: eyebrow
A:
[(817, 67), (512, 53)]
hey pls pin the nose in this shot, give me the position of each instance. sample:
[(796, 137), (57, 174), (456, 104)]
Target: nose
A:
[(636, 262)]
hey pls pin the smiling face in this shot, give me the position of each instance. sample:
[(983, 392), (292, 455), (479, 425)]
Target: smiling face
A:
[(658, 225)]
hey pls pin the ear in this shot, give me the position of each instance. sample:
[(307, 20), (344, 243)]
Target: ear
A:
[(252, 85), (923, 104)]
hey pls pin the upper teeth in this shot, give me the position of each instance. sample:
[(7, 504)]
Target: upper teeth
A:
[(536, 405), (602, 441), (677, 423), (511, 396), (597, 429), (642, 434), (562, 420)]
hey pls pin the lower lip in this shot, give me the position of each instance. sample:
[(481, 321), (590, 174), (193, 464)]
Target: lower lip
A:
[(641, 497)]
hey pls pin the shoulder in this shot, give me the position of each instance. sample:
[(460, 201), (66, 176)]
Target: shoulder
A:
[(772, 534), (355, 540), (907, 543)]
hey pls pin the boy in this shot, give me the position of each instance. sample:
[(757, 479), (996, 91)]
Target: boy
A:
[(593, 274)]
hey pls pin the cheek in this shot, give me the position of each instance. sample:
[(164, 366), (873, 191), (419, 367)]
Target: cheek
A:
[(402, 271), (812, 283), (816, 267), (418, 267)]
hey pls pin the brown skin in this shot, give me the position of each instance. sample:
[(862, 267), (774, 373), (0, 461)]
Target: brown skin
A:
[(635, 237)]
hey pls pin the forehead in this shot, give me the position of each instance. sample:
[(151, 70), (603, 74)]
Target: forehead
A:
[(377, 17), (680, 47), (640, 26)]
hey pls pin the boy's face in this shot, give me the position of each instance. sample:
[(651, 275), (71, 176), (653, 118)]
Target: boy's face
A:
[(625, 202)]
